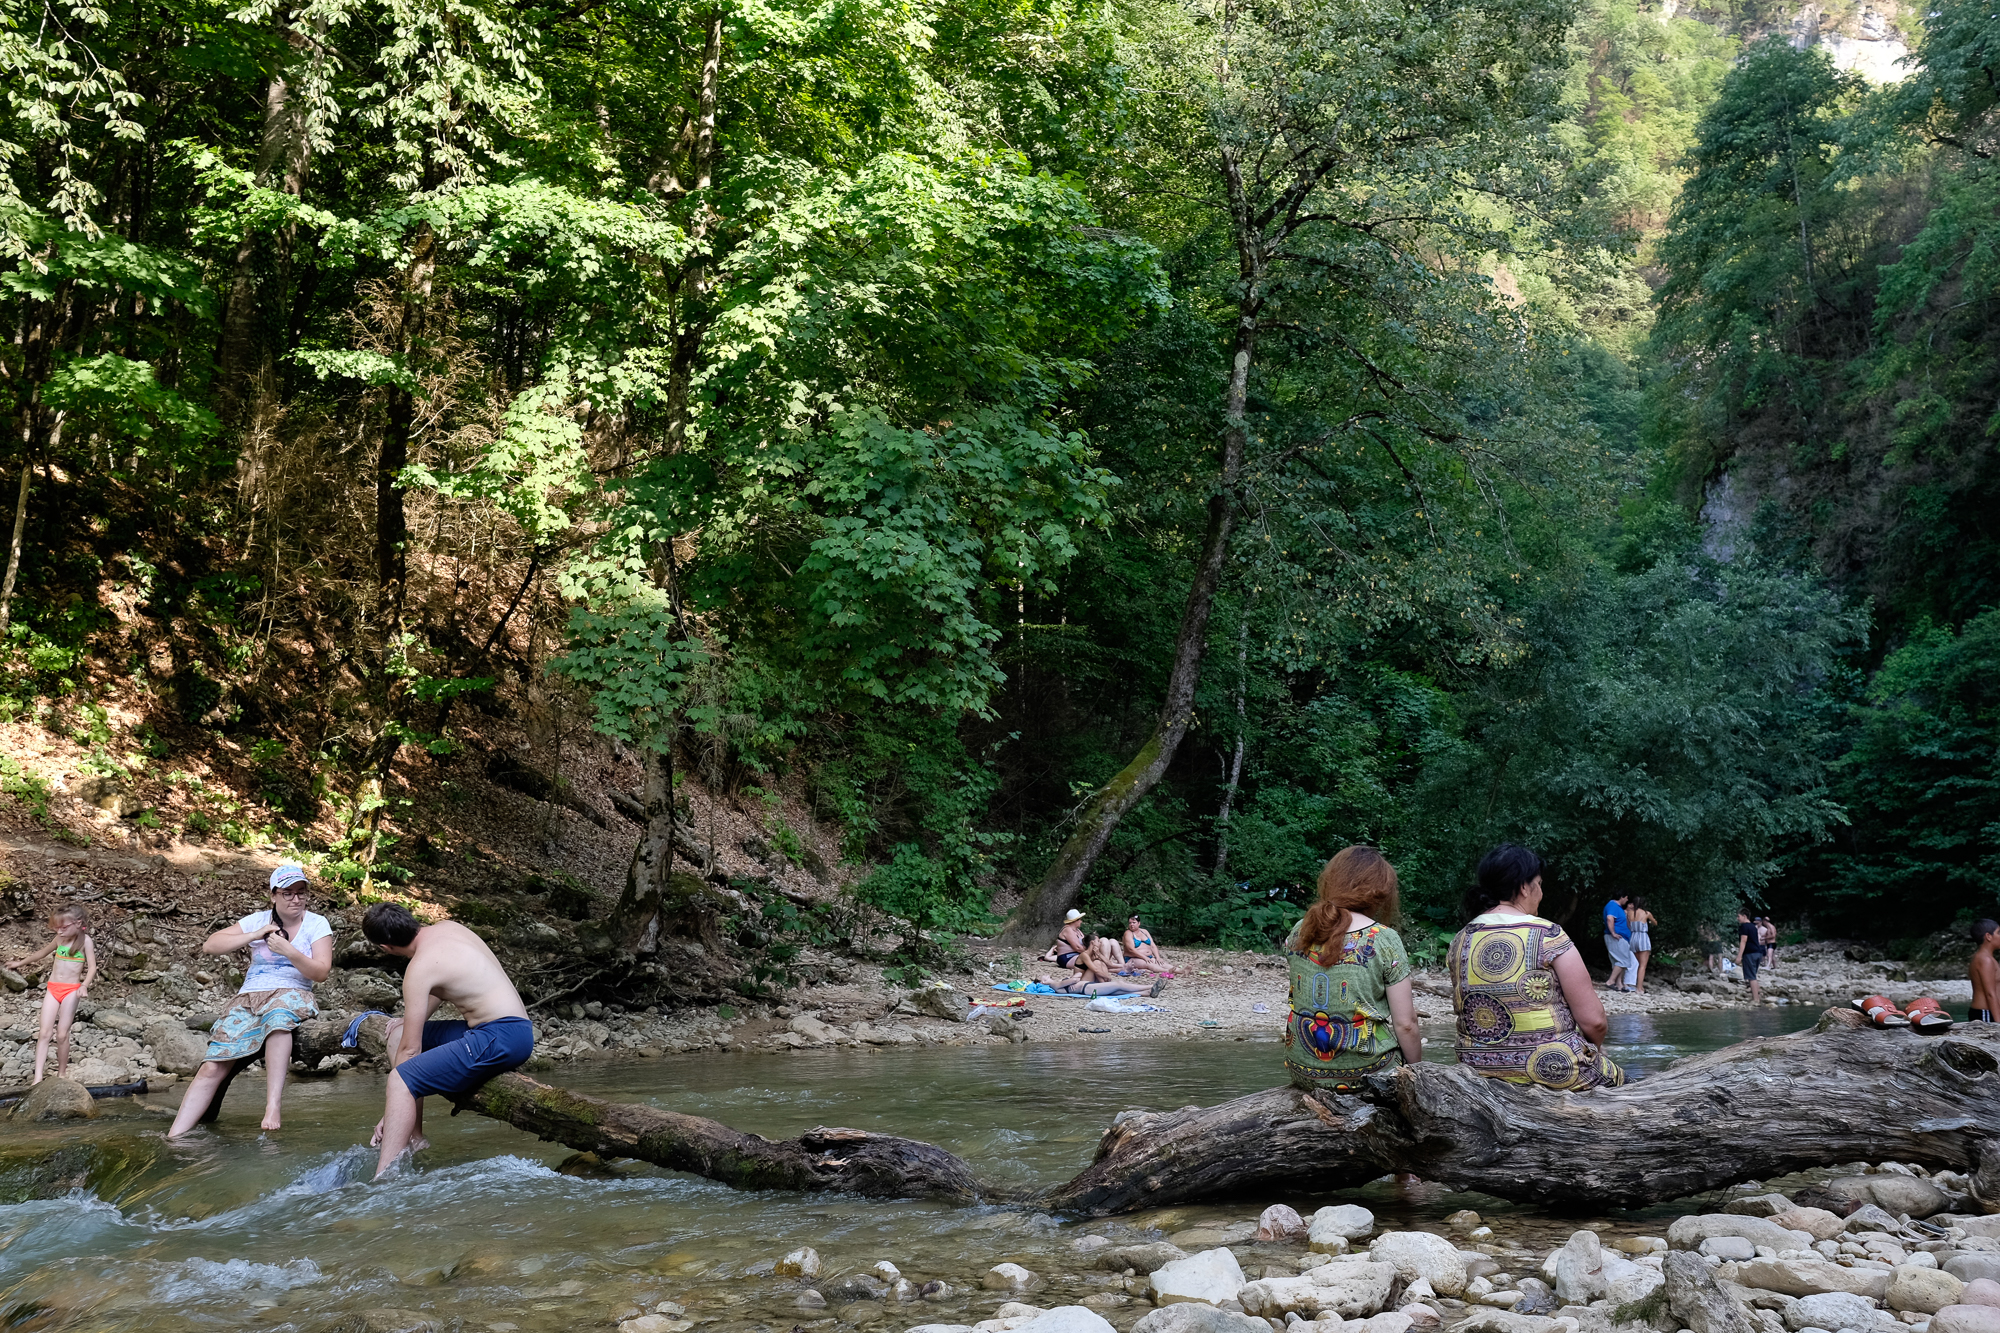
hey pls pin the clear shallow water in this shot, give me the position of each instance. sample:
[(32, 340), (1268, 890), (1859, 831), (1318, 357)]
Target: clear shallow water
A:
[(239, 1230)]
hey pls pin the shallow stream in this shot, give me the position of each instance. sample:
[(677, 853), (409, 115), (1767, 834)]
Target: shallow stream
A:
[(238, 1230)]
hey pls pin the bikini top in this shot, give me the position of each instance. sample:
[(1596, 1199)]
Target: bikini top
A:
[(70, 951)]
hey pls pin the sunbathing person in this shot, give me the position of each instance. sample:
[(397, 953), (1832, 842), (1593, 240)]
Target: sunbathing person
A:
[(1140, 949), (1075, 982), (1070, 944), (1107, 952)]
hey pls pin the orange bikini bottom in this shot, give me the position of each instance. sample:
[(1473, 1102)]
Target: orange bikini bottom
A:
[(62, 990)]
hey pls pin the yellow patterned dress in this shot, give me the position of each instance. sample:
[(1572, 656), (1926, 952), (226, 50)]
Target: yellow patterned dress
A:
[(1338, 1030), (1513, 1022)]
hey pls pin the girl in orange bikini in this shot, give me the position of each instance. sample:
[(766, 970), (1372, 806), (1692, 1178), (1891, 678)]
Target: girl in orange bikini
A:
[(70, 974)]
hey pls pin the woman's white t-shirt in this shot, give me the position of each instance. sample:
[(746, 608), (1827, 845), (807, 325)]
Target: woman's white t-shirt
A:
[(271, 970)]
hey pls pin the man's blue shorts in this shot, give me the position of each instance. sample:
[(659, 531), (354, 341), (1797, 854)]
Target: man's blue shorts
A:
[(458, 1057)]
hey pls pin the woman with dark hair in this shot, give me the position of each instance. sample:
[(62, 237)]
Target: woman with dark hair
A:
[(1643, 922), (1527, 1012), (1351, 1009)]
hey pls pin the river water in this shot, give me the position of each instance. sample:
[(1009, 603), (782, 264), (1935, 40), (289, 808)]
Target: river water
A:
[(239, 1230)]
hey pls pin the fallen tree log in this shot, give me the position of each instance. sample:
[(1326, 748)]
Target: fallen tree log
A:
[(1833, 1095), (1760, 1108)]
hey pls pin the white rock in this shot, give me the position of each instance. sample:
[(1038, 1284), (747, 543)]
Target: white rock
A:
[(1389, 1321), (1629, 1282), (1924, 1290), (802, 1262), (1211, 1277), (1808, 1277), (1687, 1233), (940, 1328), (1346, 1222), (1576, 1271), (1194, 1317), (1086, 1244), (1737, 1248), (1067, 1319), (1838, 1309), (1012, 1277), (1280, 1222), (1418, 1254), (1346, 1288)]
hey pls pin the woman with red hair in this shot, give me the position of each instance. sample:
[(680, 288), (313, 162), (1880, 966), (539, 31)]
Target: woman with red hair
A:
[(1351, 1010)]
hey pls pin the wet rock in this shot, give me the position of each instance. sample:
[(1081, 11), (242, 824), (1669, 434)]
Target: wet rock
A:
[(1809, 1277), (1832, 1309), (885, 1270), (1010, 1277), (1966, 1319), (802, 1262), (1695, 1300), (56, 1099), (1280, 1222), (936, 1291), (1139, 1258), (392, 1321), (1639, 1245), (1627, 1283), (1209, 1238), (1345, 1222), (1194, 1317), (1349, 1289), (1923, 1290), (810, 1300), (1210, 1277), (941, 1328), (1728, 1248), (903, 1290), (174, 1048), (1894, 1193), (862, 1287), (1536, 1298), (654, 1323), (1815, 1222), (1110, 1300), (1067, 1319), (1870, 1217), (1981, 1291), (1463, 1220), (1421, 1316), (1974, 1267), (1758, 1205), (1418, 1254), (1687, 1233), (1090, 1244), (1505, 1321)]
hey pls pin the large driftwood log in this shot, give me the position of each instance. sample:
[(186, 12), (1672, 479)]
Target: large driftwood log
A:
[(1757, 1109)]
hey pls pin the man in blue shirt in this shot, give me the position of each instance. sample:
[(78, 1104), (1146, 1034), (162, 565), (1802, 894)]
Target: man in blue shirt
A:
[(1618, 942)]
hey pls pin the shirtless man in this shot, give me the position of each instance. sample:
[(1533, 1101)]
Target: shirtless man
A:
[(448, 963), (1985, 971)]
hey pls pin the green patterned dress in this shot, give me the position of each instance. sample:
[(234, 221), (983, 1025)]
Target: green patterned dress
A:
[(1513, 1022), (1338, 1030)]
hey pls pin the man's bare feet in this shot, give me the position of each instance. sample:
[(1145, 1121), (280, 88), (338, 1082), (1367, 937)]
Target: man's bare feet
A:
[(270, 1121)]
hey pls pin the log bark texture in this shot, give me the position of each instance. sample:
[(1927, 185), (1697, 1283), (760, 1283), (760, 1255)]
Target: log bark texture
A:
[(847, 1160), (1759, 1108)]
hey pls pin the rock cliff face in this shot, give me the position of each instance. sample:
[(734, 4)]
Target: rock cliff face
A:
[(1868, 38)]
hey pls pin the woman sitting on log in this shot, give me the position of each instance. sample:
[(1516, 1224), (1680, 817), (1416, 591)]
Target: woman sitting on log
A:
[(1526, 1010), (1351, 1010)]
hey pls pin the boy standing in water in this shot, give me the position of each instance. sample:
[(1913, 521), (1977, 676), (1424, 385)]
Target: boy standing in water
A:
[(70, 975), (1985, 970), (448, 963)]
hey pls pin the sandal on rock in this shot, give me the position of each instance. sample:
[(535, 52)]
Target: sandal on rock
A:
[(1881, 1012), (1928, 1017)]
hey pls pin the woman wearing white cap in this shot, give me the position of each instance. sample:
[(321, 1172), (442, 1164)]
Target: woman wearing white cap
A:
[(290, 950)]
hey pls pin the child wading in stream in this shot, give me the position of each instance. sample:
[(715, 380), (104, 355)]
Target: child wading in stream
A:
[(75, 967), (1985, 971)]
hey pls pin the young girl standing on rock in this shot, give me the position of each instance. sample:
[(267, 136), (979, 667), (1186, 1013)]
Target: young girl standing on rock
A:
[(70, 975)]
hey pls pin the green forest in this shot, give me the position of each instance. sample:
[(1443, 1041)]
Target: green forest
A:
[(1118, 451)]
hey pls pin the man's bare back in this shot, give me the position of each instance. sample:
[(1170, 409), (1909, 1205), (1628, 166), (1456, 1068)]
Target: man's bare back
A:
[(451, 964)]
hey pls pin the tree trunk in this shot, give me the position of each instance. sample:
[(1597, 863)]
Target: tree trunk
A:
[(14, 545), (1236, 755), (1758, 1109), (635, 921), (1040, 914)]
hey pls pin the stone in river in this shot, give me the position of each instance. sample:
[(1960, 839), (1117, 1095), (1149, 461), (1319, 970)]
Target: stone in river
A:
[(1085, 1244), (1815, 1222), (1536, 1298), (1345, 1288), (1208, 1238), (802, 1262), (1389, 1321), (1895, 1194), (57, 1099), (393, 1321), (810, 1300), (1011, 1277), (1421, 1315), (1462, 1220), (1974, 1267), (1067, 1319), (1966, 1319), (1280, 1222), (1981, 1291), (1833, 1309), (1733, 1248), (1576, 1271), (940, 1328), (1687, 1233), (936, 1291), (1923, 1290), (885, 1270), (1211, 1277), (1344, 1222), (1194, 1317), (1868, 1217), (654, 1323), (1139, 1258), (1757, 1205), (1695, 1301), (1418, 1254), (1489, 1320), (1809, 1277)]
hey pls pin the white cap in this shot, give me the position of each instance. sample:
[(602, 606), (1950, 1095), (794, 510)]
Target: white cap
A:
[(1072, 915), (287, 875)]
